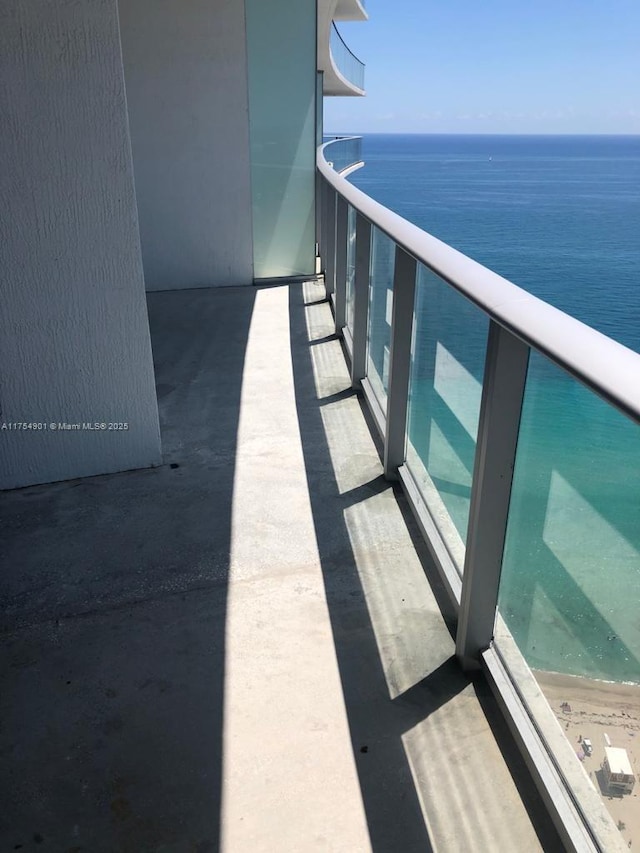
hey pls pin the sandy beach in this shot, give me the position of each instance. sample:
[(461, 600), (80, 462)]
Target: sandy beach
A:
[(598, 708)]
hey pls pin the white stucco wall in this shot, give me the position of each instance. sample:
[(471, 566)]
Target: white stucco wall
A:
[(186, 77), (74, 334)]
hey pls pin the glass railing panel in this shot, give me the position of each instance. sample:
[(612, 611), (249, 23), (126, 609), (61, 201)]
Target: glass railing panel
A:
[(447, 365), (351, 68), (570, 582), (380, 306), (343, 152), (351, 266)]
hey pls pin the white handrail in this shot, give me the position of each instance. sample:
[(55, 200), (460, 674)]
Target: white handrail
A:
[(608, 367)]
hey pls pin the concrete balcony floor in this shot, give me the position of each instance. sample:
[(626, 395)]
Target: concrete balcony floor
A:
[(243, 649)]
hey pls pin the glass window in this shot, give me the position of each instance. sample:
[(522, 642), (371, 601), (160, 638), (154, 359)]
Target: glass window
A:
[(281, 48)]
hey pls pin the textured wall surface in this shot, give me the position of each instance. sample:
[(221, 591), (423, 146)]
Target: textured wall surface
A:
[(74, 333), (186, 77)]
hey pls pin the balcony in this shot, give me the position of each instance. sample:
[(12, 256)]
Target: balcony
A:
[(345, 154), (350, 10), (346, 66), (343, 72), (246, 648), (463, 373)]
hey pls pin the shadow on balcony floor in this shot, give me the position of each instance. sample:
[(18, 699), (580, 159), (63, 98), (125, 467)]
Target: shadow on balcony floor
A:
[(437, 766), (249, 633), (113, 614)]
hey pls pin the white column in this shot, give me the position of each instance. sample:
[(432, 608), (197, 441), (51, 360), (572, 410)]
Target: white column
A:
[(74, 333), (186, 76)]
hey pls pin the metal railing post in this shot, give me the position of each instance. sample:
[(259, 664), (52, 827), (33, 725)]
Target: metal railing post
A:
[(319, 179), (404, 286), (340, 289), (500, 410), (361, 301), (324, 201), (320, 182), (330, 242)]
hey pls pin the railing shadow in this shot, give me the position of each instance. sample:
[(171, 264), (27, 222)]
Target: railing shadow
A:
[(379, 723), (391, 805)]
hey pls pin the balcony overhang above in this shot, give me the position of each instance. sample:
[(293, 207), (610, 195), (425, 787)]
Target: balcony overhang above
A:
[(343, 72), (350, 10)]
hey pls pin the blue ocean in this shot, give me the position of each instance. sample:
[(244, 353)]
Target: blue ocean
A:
[(559, 216)]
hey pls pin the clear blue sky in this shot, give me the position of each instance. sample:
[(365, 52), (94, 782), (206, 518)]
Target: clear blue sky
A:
[(498, 66)]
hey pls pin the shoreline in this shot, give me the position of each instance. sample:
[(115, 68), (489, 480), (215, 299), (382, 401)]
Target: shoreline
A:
[(625, 690), (605, 712)]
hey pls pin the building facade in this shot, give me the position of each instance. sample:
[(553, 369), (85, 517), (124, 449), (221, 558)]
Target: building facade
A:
[(144, 147)]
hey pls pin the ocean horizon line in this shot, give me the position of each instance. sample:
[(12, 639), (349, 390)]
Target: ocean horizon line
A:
[(333, 133)]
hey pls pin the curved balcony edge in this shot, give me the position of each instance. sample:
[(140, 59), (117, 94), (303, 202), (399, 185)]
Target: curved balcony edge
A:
[(347, 65), (602, 364), (350, 10), (346, 154), (343, 71)]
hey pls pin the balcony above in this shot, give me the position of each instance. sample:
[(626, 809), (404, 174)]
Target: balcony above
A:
[(350, 10), (343, 71)]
